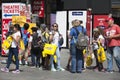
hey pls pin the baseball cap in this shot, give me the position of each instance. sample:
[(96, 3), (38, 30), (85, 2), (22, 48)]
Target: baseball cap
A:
[(43, 26), (108, 19)]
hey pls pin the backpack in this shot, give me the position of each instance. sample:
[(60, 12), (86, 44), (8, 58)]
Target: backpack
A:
[(25, 37), (35, 41), (82, 41), (61, 40)]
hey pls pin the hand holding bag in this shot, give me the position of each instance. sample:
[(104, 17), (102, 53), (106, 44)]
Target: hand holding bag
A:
[(101, 53)]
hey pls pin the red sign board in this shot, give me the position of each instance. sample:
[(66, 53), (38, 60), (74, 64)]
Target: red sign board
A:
[(36, 6), (5, 26), (99, 20), (41, 12)]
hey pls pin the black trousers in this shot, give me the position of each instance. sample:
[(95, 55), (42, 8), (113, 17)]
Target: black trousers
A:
[(98, 64)]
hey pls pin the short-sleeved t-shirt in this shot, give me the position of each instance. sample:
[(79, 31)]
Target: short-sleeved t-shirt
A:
[(55, 38), (111, 31), (74, 33), (14, 44)]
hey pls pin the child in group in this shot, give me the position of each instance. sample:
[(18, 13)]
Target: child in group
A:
[(98, 37)]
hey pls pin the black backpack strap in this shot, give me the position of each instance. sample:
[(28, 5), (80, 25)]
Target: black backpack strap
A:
[(78, 30), (83, 30)]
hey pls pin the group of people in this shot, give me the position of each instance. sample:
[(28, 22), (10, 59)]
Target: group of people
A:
[(33, 46), (109, 39)]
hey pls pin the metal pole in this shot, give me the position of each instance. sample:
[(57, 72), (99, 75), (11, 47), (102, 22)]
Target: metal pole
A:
[(90, 25)]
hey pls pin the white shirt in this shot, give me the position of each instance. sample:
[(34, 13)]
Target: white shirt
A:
[(39, 32), (14, 44), (55, 38), (30, 39), (103, 39)]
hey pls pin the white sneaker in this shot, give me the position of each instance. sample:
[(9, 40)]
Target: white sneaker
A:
[(26, 63), (4, 69), (53, 69), (20, 62), (40, 68), (33, 67), (16, 71), (60, 69)]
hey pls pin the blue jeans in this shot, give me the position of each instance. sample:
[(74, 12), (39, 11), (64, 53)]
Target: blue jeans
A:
[(113, 52), (58, 59), (13, 51), (77, 59), (33, 59)]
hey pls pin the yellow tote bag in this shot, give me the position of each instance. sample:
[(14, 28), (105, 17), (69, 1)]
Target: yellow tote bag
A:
[(22, 46), (7, 43), (49, 49), (88, 58), (101, 54)]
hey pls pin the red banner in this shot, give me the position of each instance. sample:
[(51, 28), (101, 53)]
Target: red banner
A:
[(99, 20), (5, 26), (36, 6)]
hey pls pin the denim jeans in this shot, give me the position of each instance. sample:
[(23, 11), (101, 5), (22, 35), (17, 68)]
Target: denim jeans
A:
[(58, 59), (77, 57), (113, 52), (13, 51)]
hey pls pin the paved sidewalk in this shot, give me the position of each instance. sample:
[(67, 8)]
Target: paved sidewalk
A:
[(28, 73)]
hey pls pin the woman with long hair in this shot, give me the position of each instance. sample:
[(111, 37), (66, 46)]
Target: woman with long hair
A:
[(54, 39), (14, 50)]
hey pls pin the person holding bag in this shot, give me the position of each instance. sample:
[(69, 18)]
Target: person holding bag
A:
[(14, 49), (54, 39), (97, 42)]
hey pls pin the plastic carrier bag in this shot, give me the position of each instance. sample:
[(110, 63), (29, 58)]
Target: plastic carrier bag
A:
[(88, 57), (49, 49), (101, 54), (7, 43)]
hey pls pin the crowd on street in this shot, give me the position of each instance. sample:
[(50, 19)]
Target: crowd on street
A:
[(105, 46)]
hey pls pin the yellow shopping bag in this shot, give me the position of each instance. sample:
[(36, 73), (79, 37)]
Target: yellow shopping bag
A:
[(49, 49), (101, 53), (89, 60), (7, 43), (22, 46), (88, 56)]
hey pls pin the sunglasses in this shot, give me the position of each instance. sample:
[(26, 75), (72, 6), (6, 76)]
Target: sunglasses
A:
[(55, 26)]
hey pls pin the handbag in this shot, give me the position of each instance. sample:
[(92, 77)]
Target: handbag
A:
[(7, 43), (49, 49), (101, 54)]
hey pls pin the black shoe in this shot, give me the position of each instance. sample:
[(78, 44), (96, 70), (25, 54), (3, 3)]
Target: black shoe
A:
[(72, 71), (79, 71), (67, 68)]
